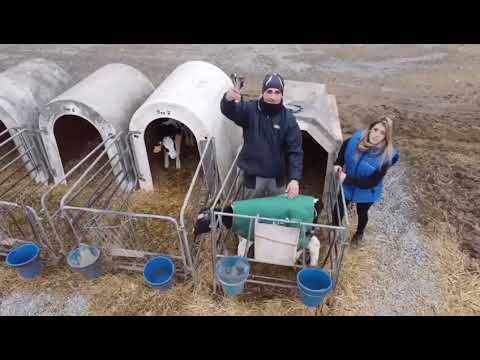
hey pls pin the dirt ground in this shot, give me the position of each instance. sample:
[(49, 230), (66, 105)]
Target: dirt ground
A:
[(431, 90)]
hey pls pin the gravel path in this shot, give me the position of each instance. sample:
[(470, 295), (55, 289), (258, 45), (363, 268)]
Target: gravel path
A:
[(407, 284), (27, 304)]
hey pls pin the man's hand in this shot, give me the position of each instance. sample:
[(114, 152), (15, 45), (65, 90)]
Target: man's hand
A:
[(292, 189), (233, 94)]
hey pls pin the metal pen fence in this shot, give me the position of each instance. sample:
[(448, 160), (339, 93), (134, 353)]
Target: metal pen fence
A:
[(335, 238), (130, 238)]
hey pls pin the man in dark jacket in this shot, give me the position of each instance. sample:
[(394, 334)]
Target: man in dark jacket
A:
[(272, 154)]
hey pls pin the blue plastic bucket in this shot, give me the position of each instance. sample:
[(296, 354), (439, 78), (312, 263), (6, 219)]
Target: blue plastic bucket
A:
[(314, 284), (232, 272), (26, 260), (159, 272), (86, 260)]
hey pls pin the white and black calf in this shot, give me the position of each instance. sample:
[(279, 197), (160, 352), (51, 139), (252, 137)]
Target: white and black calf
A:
[(170, 134)]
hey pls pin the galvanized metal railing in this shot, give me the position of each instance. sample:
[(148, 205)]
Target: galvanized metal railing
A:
[(200, 195), (31, 210), (23, 172), (126, 236), (87, 189)]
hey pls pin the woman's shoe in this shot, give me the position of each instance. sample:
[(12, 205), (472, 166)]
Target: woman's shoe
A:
[(356, 239)]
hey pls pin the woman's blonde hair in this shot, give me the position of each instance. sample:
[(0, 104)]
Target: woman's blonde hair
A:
[(387, 145)]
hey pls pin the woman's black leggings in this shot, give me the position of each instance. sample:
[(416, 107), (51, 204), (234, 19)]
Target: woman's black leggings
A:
[(362, 212)]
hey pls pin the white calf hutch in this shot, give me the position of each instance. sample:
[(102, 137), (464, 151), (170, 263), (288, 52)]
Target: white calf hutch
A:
[(316, 113), (96, 108), (24, 90), (191, 94)]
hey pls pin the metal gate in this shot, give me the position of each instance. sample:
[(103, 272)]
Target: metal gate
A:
[(97, 180), (23, 172), (130, 238), (30, 209)]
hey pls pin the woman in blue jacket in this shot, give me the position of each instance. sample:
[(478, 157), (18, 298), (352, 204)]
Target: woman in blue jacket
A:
[(363, 161)]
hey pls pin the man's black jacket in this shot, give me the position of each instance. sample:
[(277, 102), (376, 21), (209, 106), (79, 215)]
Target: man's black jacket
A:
[(271, 144)]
